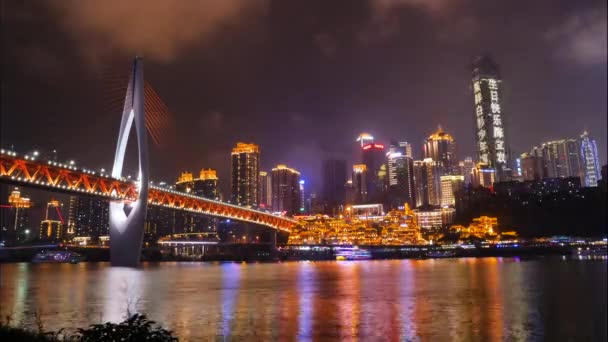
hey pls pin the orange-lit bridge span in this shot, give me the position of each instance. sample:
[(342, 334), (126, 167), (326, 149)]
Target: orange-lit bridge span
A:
[(28, 171)]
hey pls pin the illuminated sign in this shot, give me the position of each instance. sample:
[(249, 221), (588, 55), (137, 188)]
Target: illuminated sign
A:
[(367, 147), (378, 146)]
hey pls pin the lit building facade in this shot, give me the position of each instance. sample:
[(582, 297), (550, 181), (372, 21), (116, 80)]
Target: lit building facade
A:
[(466, 169), (483, 175), (88, 216), (449, 186), (590, 160), (434, 218), (244, 174), (491, 135), (374, 159), (17, 224), (365, 138), (401, 173), (440, 147), (265, 187), (52, 228), (285, 190), (427, 181), (206, 185)]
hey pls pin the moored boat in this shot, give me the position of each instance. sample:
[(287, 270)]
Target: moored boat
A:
[(57, 257)]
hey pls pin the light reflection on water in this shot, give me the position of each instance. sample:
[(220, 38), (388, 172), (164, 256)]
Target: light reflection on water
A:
[(486, 299)]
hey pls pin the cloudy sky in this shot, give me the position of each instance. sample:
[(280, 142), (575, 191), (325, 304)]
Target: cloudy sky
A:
[(300, 78)]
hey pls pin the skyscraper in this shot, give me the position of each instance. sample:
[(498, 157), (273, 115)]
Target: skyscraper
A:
[(449, 186), (334, 179), (561, 158), (400, 175), (52, 228), (359, 184), (374, 160), (427, 180), (245, 171), (285, 190), (492, 146), (440, 147), (466, 169), (591, 164), (265, 190)]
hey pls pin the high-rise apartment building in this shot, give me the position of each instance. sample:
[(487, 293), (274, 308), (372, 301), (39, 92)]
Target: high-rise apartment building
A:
[(440, 147), (88, 216), (466, 169), (265, 190), (590, 160), (334, 179), (52, 227), (285, 190), (244, 174), (449, 186), (491, 137)]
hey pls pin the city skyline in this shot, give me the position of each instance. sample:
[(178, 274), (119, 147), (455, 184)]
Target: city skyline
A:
[(395, 103)]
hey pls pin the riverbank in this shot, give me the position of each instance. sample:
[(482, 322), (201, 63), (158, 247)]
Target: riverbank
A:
[(255, 253)]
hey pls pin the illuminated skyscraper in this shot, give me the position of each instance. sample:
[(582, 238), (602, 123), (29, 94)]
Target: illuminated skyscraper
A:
[(440, 148), (449, 186), (206, 185), (492, 146), (400, 174), (591, 164), (285, 190), (265, 190), (427, 180), (374, 160), (365, 138), (245, 172), (484, 175), (15, 222)]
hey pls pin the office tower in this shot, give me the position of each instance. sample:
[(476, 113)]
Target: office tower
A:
[(359, 183), (401, 174), (206, 185), (285, 190), (466, 169), (483, 175), (244, 174), (374, 160), (449, 186), (427, 180), (407, 147), (51, 228), (590, 161), (265, 190), (492, 145), (88, 217), (334, 179), (440, 147)]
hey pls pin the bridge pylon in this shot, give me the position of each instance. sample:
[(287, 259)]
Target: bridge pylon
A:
[(127, 219)]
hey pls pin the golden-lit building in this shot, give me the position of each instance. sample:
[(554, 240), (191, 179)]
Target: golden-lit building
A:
[(285, 183), (395, 228), (52, 228), (206, 185), (481, 227), (483, 175), (245, 164), (440, 148), (449, 186)]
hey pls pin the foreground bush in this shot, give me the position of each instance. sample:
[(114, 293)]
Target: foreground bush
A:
[(135, 328)]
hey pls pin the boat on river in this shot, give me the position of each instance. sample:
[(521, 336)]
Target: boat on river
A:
[(57, 257), (352, 253)]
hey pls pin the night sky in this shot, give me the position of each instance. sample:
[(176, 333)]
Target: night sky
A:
[(300, 78)]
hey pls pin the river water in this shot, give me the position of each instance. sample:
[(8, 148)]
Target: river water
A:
[(473, 299)]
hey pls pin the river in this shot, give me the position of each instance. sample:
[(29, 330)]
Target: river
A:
[(469, 299)]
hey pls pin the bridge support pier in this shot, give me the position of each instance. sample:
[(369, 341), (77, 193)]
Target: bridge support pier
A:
[(127, 227), (273, 244)]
